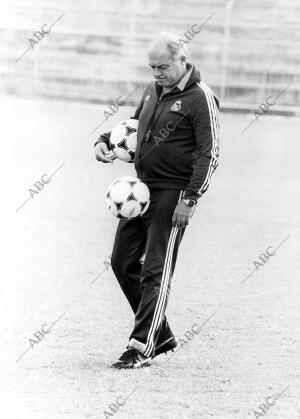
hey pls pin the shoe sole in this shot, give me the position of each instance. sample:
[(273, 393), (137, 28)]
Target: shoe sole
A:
[(134, 366)]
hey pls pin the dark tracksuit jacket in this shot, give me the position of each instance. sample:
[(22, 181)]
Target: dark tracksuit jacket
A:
[(178, 137), (177, 152)]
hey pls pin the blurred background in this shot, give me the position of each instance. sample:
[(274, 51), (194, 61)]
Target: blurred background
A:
[(247, 50), (52, 101)]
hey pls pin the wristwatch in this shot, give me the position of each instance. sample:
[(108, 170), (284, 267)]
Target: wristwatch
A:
[(190, 202)]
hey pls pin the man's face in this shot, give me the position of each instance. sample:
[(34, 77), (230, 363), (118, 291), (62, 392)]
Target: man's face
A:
[(166, 70)]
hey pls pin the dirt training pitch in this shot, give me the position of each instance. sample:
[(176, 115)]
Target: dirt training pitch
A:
[(239, 351)]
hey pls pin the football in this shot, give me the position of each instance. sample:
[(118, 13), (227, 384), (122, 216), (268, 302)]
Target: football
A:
[(123, 140), (128, 197)]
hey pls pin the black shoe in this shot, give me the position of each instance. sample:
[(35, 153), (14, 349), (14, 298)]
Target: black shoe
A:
[(131, 358), (166, 346)]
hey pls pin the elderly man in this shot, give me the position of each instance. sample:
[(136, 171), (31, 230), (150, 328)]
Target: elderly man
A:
[(177, 152)]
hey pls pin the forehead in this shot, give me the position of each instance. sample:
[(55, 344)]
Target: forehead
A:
[(159, 56), (158, 60)]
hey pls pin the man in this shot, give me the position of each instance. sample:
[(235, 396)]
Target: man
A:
[(177, 152)]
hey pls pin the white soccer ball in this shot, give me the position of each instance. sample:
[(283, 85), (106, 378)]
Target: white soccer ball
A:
[(123, 140), (128, 197)]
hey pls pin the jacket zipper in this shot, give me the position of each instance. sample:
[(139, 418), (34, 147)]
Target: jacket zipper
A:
[(152, 121)]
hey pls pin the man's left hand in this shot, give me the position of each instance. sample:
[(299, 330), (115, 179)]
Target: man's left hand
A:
[(182, 215)]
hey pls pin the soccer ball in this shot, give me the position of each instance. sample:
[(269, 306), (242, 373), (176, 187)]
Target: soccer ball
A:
[(123, 140), (128, 197)]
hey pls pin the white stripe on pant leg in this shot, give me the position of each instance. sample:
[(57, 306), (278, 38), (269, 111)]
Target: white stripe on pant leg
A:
[(161, 301), (163, 288), (166, 271), (158, 303), (138, 345), (162, 297)]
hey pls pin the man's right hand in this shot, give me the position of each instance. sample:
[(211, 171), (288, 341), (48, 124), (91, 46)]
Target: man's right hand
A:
[(103, 154)]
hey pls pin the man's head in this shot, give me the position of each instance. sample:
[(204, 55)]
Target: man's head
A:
[(167, 58)]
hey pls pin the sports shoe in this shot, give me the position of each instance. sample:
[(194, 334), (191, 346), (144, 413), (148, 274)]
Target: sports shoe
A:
[(131, 358), (166, 346)]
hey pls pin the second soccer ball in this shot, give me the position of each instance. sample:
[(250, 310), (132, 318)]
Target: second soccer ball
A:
[(128, 197)]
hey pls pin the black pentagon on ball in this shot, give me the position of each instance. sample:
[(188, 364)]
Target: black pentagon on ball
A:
[(118, 205), (131, 197), (129, 130), (122, 144)]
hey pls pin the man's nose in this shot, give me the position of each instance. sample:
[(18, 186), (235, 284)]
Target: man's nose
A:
[(156, 73)]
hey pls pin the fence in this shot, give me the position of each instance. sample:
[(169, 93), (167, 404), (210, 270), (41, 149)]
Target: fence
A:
[(98, 49)]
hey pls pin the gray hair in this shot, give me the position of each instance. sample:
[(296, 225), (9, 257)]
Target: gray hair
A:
[(175, 45)]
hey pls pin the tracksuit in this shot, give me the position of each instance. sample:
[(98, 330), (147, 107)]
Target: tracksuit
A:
[(177, 152)]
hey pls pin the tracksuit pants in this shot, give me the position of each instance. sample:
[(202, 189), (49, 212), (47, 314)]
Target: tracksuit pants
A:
[(146, 286)]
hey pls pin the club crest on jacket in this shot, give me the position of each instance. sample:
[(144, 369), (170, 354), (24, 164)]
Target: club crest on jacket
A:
[(176, 106)]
